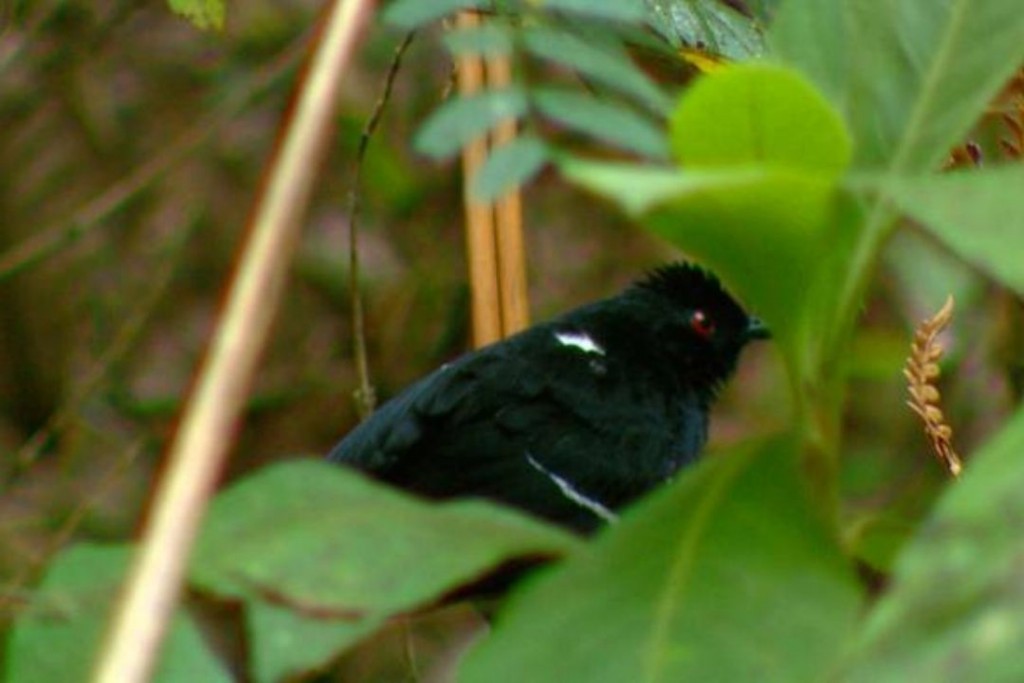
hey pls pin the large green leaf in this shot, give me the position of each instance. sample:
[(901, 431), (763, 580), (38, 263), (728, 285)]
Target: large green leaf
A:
[(955, 610), (57, 638), (776, 237), (725, 576), (978, 214), (812, 36), (344, 553), (912, 76), (759, 114), (756, 199)]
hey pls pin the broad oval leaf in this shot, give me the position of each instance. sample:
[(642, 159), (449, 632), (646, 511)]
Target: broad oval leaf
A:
[(726, 575), (344, 553), (264, 532), (775, 236), (758, 114), (463, 119), (758, 200)]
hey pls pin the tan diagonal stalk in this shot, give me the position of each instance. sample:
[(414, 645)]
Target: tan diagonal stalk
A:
[(200, 447)]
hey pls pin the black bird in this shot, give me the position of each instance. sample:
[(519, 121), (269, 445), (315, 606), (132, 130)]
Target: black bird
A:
[(573, 418)]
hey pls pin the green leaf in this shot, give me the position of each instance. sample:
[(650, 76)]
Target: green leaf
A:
[(609, 122), (344, 553), (625, 11), (781, 239), (603, 61), (463, 119), (775, 236), (726, 575), (58, 637), (759, 114), (758, 202), (978, 214), (811, 35), (911, 76), (204, 14), (490, 39), (263, 532), (777, 240), (877, 539), (410, 14), (710, 26), (509, 166), (763, 10), (641, 188), (287, 643), (955, 610)]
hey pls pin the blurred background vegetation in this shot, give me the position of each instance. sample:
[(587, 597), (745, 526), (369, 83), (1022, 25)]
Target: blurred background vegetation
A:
[(166, 130), (132, 146)]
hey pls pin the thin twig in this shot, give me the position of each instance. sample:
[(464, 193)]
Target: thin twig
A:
[(200, 447), (365, 395), (922, 371)]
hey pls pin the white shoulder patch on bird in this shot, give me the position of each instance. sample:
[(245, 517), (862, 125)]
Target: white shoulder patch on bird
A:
[(572, 493), (579, 340)]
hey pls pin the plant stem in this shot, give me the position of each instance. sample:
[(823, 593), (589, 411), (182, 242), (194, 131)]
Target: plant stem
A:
[(197, 454)]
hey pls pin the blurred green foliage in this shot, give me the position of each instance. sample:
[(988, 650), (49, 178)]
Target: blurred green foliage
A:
[(132, 152)]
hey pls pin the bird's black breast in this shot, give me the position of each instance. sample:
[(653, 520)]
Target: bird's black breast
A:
[(551, 421)]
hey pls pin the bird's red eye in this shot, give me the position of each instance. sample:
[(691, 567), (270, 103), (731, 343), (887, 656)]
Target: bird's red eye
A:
[(701, 324)]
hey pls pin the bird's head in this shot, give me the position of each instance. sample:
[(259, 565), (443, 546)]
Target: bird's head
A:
[(699, 326)]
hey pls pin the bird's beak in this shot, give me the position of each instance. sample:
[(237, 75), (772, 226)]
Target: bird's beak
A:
[(756, 329)]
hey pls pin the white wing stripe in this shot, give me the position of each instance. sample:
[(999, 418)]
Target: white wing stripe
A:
[(572, 493), (579, 340)]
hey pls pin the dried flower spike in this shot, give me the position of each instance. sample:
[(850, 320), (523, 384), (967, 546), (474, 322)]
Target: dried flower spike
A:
[(922, 371)]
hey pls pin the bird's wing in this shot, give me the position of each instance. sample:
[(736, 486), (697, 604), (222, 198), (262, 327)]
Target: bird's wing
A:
[(460, 393)]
